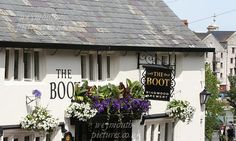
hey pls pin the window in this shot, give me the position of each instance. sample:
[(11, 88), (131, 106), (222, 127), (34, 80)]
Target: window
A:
[(231, 60), (83, 67), (31, 65), (27, 65), (108, 66), (37, 139), (95, 67), (206, 54), (99, 60), (5, 139), (232, 49), (231, 71), (221, 65), (24, 62), (221, 55), (221, 75), (164, 60), (36, 65), (16, 64), (91, 67), (27, 138), (7, 65), (15, 139)]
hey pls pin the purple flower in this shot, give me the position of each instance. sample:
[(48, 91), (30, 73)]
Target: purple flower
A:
[(36, 93), (140, 105), (116, 104)]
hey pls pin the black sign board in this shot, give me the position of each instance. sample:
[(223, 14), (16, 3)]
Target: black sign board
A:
[(157, 83)]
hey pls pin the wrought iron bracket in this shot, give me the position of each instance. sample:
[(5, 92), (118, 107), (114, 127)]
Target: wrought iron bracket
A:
[(152, 59)]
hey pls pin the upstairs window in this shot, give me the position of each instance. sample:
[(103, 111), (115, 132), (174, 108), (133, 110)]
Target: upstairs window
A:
[(83, 67), (233, 49), (91, 67), (221, 55), (221, 75), (108, 67), (231, 72), (36, 65), (99, 60), (7, 65), (25, 64), (231, 60), (16, 64), (95, 67)]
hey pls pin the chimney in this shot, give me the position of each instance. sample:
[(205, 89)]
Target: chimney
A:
[(185, 22)]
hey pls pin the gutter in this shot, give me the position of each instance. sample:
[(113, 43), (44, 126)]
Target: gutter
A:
[(12, 44)]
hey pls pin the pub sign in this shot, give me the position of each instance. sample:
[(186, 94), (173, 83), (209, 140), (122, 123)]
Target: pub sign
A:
[(157, 83)]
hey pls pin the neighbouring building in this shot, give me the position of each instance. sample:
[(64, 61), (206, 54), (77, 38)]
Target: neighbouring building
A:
[(217, 60), (50, 45), (223, 60)]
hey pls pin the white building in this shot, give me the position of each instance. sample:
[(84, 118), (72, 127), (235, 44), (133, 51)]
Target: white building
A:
[(223, 59), (217, 60), (50, 45)]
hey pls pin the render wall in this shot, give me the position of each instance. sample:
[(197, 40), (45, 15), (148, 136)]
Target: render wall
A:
[(189, 83)]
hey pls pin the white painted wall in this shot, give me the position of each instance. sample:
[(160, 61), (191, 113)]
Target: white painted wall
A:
[(189, 83)]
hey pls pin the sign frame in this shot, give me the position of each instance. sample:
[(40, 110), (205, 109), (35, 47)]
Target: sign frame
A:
[(158, 82)]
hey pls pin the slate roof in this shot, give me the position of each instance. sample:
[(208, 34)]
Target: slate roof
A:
[(146, 23), (202, 35), (222, 36)]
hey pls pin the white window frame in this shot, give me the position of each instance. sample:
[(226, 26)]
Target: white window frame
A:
[(28, 76)]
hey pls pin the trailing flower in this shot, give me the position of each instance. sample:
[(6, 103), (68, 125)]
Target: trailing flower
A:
[(39, 120), (81, 111), (124, 101), (180, 110)]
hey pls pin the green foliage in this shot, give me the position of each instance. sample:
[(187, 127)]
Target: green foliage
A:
[(180, 110), (232, 92), (214, 108), (232, 81), (134, 89)]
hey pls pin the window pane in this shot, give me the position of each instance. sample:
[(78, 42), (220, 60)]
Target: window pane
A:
[(37, 139), (5, 139), (91, 68), (36, 65), (27, 65), (16, 64), (164, 60), (27, 138), (7, 65), (83, 67), (99, 57), (108, 67)]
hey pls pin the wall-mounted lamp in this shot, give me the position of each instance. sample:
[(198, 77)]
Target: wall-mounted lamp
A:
[(204, 96)]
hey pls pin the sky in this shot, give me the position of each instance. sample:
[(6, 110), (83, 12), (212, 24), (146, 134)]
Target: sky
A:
[(199, 13)]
